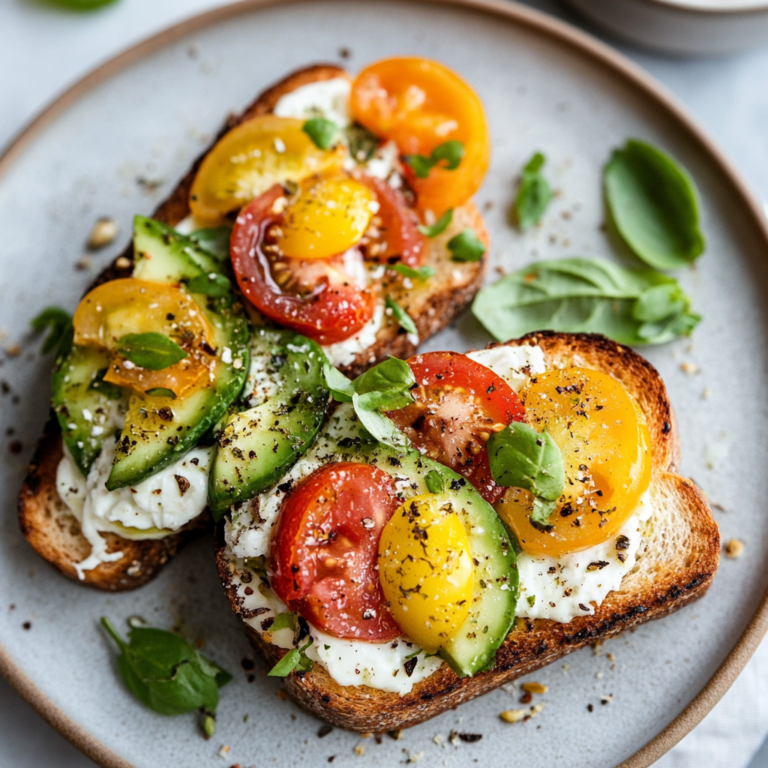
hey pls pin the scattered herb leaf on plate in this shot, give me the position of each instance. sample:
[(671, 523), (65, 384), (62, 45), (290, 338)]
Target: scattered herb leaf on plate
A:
[(57, 322), (534, 194)]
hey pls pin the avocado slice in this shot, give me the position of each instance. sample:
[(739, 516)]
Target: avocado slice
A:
[(159, 430), (257, 445)]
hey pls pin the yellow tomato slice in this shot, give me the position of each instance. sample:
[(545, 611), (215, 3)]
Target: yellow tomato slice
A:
[(426, 569), (126, 306), (420, 104), (327, 217), (605, 444), (253, 157)]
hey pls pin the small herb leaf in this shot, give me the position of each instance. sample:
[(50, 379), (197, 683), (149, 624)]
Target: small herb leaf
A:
[(161, 392), (153, 351), (340, 386), (295, 658), (402, 317), (439, 226), (379, 426), (322, 131), (213, 284), (434, 481), (283, 621), (109, 390), (466, 246), (57, 322), (214, 240), (362, 143), (419, 273), (450, 153), (653, 202), (420, 165), (534, 194)]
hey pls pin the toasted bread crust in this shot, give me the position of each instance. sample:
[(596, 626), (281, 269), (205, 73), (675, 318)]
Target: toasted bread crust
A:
[(664, 588), (39, 505)]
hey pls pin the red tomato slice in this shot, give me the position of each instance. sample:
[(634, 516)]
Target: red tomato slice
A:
[(316, 297), (459, 404), (398, 239), (324, 551)]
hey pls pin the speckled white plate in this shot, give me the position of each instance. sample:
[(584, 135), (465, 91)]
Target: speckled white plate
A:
[(118, 142)]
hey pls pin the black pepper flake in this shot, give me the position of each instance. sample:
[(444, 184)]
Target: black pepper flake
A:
[(183, 484), (250, 678), (590, 708), (598, 565), (324, 731), (666, 428), (410, 665), (247, 664), (583, 607), (27, 625), (15, 447), (622, 542), (470, 738)]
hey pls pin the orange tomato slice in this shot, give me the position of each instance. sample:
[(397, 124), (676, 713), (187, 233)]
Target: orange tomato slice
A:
[(420, 104), (253, 157), (605, 444), (119, 307)]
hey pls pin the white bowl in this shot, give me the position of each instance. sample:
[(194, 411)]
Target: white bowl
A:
[(682, 26)]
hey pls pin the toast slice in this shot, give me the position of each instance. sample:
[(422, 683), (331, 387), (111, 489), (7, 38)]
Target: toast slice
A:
[(45, 520), (675, 566)]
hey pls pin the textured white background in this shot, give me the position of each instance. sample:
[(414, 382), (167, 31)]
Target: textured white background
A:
[(44, 49)]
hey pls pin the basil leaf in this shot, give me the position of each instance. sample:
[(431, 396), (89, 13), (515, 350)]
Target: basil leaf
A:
[(340, 386), (521, 457), (434, 481), (161, 392), (321, 130), (450, 153), (402, 317), (291, 661), (654, 204), (385, 387), (420, 273), (283, 621), (213, 284), (466, 246), (659, 302), (534, 194), (82, 5), (153, 351), (168, 674), (214, 240), (109, 390), (575, 295), (379, 426), (439, 226), (362, 143), (57, 323)]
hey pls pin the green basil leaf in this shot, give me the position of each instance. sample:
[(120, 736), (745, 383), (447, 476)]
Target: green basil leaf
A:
[(668, 329), (321, 130), (109, 390), (402, 317), (389, 375), (434, 481), (166, 673), (420, 273), (466, 246), (153, 351), (438, 227), (213, 284), (161, 392), (420, 165), (214, 240), (283, 621), (379, 426), (57, 322), (521, 457), (659, 302), (452, 152), (291, 661), (534, 194), (653, 202), (577, 295), (362, 143), (82, 5), (340, 386)]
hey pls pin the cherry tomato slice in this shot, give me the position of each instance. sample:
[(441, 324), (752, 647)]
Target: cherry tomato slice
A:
[(420, 104), (394, 238), (459, 404), (325, 547), (317, 297)]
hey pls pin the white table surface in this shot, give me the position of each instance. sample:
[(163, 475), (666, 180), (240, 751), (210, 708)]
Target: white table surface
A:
[(44, 49)]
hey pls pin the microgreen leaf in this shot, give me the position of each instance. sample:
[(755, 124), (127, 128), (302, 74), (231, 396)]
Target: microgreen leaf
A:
[(296, 657), (362, 143), (153, 351), (321, 130), (653, 202), (57, 322), (167, 674), (418, 273), (534, 194), (214, 240), (213, 284), (283, 621), (402, 317), (433, 230), (450, 154), (521, 457), (466, 246), (161, 392), (434, 481)]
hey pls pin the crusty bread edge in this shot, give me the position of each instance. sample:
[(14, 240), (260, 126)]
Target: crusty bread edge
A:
[(532, 644)]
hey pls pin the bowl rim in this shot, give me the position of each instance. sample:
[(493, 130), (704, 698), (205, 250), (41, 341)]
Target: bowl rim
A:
[(738, 8), (546, 25)]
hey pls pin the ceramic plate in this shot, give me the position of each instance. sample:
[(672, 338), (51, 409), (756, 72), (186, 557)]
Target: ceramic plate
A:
[(118, 143)]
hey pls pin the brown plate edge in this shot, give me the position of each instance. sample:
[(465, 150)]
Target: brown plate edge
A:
[(542, 23)]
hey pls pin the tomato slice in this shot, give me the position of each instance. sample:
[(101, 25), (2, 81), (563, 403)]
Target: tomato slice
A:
[(317, 297), (459, 404), (323, 558), (394, 237), (420, 104)]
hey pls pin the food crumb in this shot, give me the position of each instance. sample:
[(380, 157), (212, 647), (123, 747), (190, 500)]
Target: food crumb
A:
[(396, 735), (360, 750), (344, 52), (83, 264), (590, 708), (706, 393), (734, 548), (526, 698), (606, 699), (599, 675), (518, 715), (13, 350), (224, 750), (534, 687), (690, 368), (453, 738), (123, 262), (15, 447), (611, 657), (27, 625), (281, 694), (414, 757), (439, 738), (104, 231), (324, 731), (597, 647)]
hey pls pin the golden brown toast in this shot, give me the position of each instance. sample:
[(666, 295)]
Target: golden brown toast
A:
[(44, 519), (676, 564)]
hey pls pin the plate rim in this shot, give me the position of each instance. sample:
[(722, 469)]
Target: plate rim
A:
[(562, 32)]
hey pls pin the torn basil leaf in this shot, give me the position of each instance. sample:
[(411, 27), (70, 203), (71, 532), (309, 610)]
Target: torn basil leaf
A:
[(466, 246), (213, 240), (295, 659), (448, 155), (213, 284), (433, 230), (654, 203), (417, 273), (534, 194), (402, 317), (321, 130), (434, 481), (153, 351), (57, 323)]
